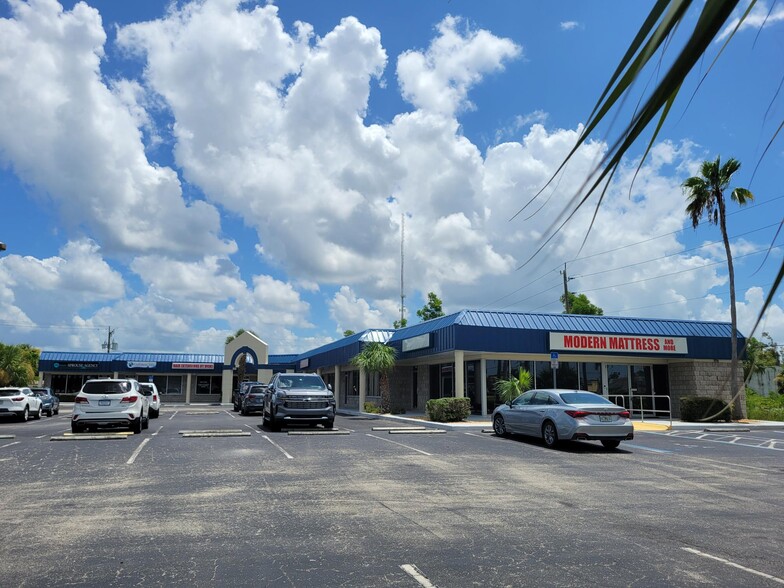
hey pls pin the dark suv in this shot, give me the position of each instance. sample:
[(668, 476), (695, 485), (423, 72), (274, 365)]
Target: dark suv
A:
[(50, 404), (239, 394), (298, 398)]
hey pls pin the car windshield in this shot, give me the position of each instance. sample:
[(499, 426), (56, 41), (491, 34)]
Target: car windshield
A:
[(302, 382), (583, 398), (99, 387), (256, 390), (10, 392), (40, 393)]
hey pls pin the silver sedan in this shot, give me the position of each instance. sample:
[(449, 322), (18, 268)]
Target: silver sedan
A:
[(557, 415)]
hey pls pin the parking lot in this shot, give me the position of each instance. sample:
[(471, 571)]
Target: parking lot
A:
[(361, 506)]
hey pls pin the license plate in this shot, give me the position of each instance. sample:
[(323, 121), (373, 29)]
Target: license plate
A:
[(104, 403), (605, 418)]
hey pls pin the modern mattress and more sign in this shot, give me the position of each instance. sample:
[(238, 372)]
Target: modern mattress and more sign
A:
[(618, 343)]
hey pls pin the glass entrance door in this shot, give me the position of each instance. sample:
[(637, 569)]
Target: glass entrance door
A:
[(631, 386)]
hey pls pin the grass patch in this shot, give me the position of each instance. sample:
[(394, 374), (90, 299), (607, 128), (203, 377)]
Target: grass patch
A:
[(765, 408)]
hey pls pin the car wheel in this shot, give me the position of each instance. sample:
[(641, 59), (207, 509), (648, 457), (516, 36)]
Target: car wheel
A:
[(25, 414), (273, 424), (146, 422), (549, 434), (236, 408), (499, 426), (49, 412), (57, 411), (264, 419), (610, 443), (37, 414), (329, 424), (136, 425), (153, 413)]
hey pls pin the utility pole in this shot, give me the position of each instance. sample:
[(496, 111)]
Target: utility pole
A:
[(402, 262), (566, 290), (109, 345)]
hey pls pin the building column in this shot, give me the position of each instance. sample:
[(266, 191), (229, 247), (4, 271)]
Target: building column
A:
[(483, 384), (459, 374), (226, 381), (116, 375), (188, 389), (362, 389), (336, 387)]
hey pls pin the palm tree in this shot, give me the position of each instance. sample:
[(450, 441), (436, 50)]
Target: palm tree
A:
[(510, 389), (18, 364), (377, 358), (705, 194)]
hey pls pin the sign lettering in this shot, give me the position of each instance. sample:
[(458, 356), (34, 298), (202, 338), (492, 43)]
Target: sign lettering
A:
[(618, 343)]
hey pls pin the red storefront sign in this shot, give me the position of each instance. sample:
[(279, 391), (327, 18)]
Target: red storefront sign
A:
[(617, 343), (193, 366)]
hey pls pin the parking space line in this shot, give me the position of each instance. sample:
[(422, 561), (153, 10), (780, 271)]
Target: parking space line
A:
[(231, 415), (286, 453), (40, 436), (138, 451), (254, 429), (9, 444), (158, 431), (174, 415), (733, 564), (415, 573), (401, 445), (633, 446)]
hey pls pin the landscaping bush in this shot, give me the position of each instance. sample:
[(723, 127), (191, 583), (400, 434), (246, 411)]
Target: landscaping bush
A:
[(371, 408), (699, 408), (765, 408), (448, 410)]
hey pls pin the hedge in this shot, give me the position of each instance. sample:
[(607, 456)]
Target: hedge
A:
[(699, 408), (448, 410)]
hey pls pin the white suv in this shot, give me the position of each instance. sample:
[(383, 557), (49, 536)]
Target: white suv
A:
[(20, 401), (150, 390), (107, 403)]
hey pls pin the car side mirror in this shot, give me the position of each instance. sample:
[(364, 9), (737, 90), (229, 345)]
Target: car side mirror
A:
[(329, 387)]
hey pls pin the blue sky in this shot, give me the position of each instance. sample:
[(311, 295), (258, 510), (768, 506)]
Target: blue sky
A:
[(181, 170)]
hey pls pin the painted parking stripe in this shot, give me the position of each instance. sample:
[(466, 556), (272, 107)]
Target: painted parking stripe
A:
[(401, 445), (231, 415), (286, 453), (174, 415), (254, 429), (138, 451), (415, 573), (158, 431), (633, 446), (734, 565), (9, 444)]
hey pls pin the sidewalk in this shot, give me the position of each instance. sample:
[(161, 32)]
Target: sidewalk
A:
[(478, 422)]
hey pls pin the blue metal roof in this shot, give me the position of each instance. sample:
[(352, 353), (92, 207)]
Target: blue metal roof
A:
[(341, 351), (77, 356)]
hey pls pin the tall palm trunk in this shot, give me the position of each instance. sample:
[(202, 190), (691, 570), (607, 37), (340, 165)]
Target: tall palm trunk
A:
[(734, 389)]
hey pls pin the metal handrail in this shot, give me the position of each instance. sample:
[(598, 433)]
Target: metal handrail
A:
[(632, 397)]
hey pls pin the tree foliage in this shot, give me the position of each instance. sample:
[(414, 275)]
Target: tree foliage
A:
[(377, 358), (643, 55), (705, 195), (432, 309), (760, 355), (18, 364), (510, 389), (579, 304), (401, 323), (348, 333)]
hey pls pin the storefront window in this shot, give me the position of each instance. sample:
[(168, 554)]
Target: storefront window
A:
[(566, 375), (168, 384), (591, 377), (544, 375)]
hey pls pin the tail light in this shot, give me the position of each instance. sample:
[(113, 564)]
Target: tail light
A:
[(129, 399), (155, 398), (577, 414), (19, 399), (81, 400), (624, 414), (253, 395)]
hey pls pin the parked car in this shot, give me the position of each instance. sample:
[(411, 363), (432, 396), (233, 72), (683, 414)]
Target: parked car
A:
[(298, 398), (253, 401), (150, 390), (239, 394), (50, 403), (110, 403), (564, 415), (21, 402)]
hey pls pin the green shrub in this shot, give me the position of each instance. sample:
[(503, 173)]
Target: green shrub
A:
[(765, 408), (371, 408), (700, 408), (448, 410)]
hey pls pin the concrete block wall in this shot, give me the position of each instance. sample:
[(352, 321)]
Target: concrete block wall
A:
[(705, 378), (400, 387)]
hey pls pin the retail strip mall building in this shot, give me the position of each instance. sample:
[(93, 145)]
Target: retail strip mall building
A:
[(633, 361)]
